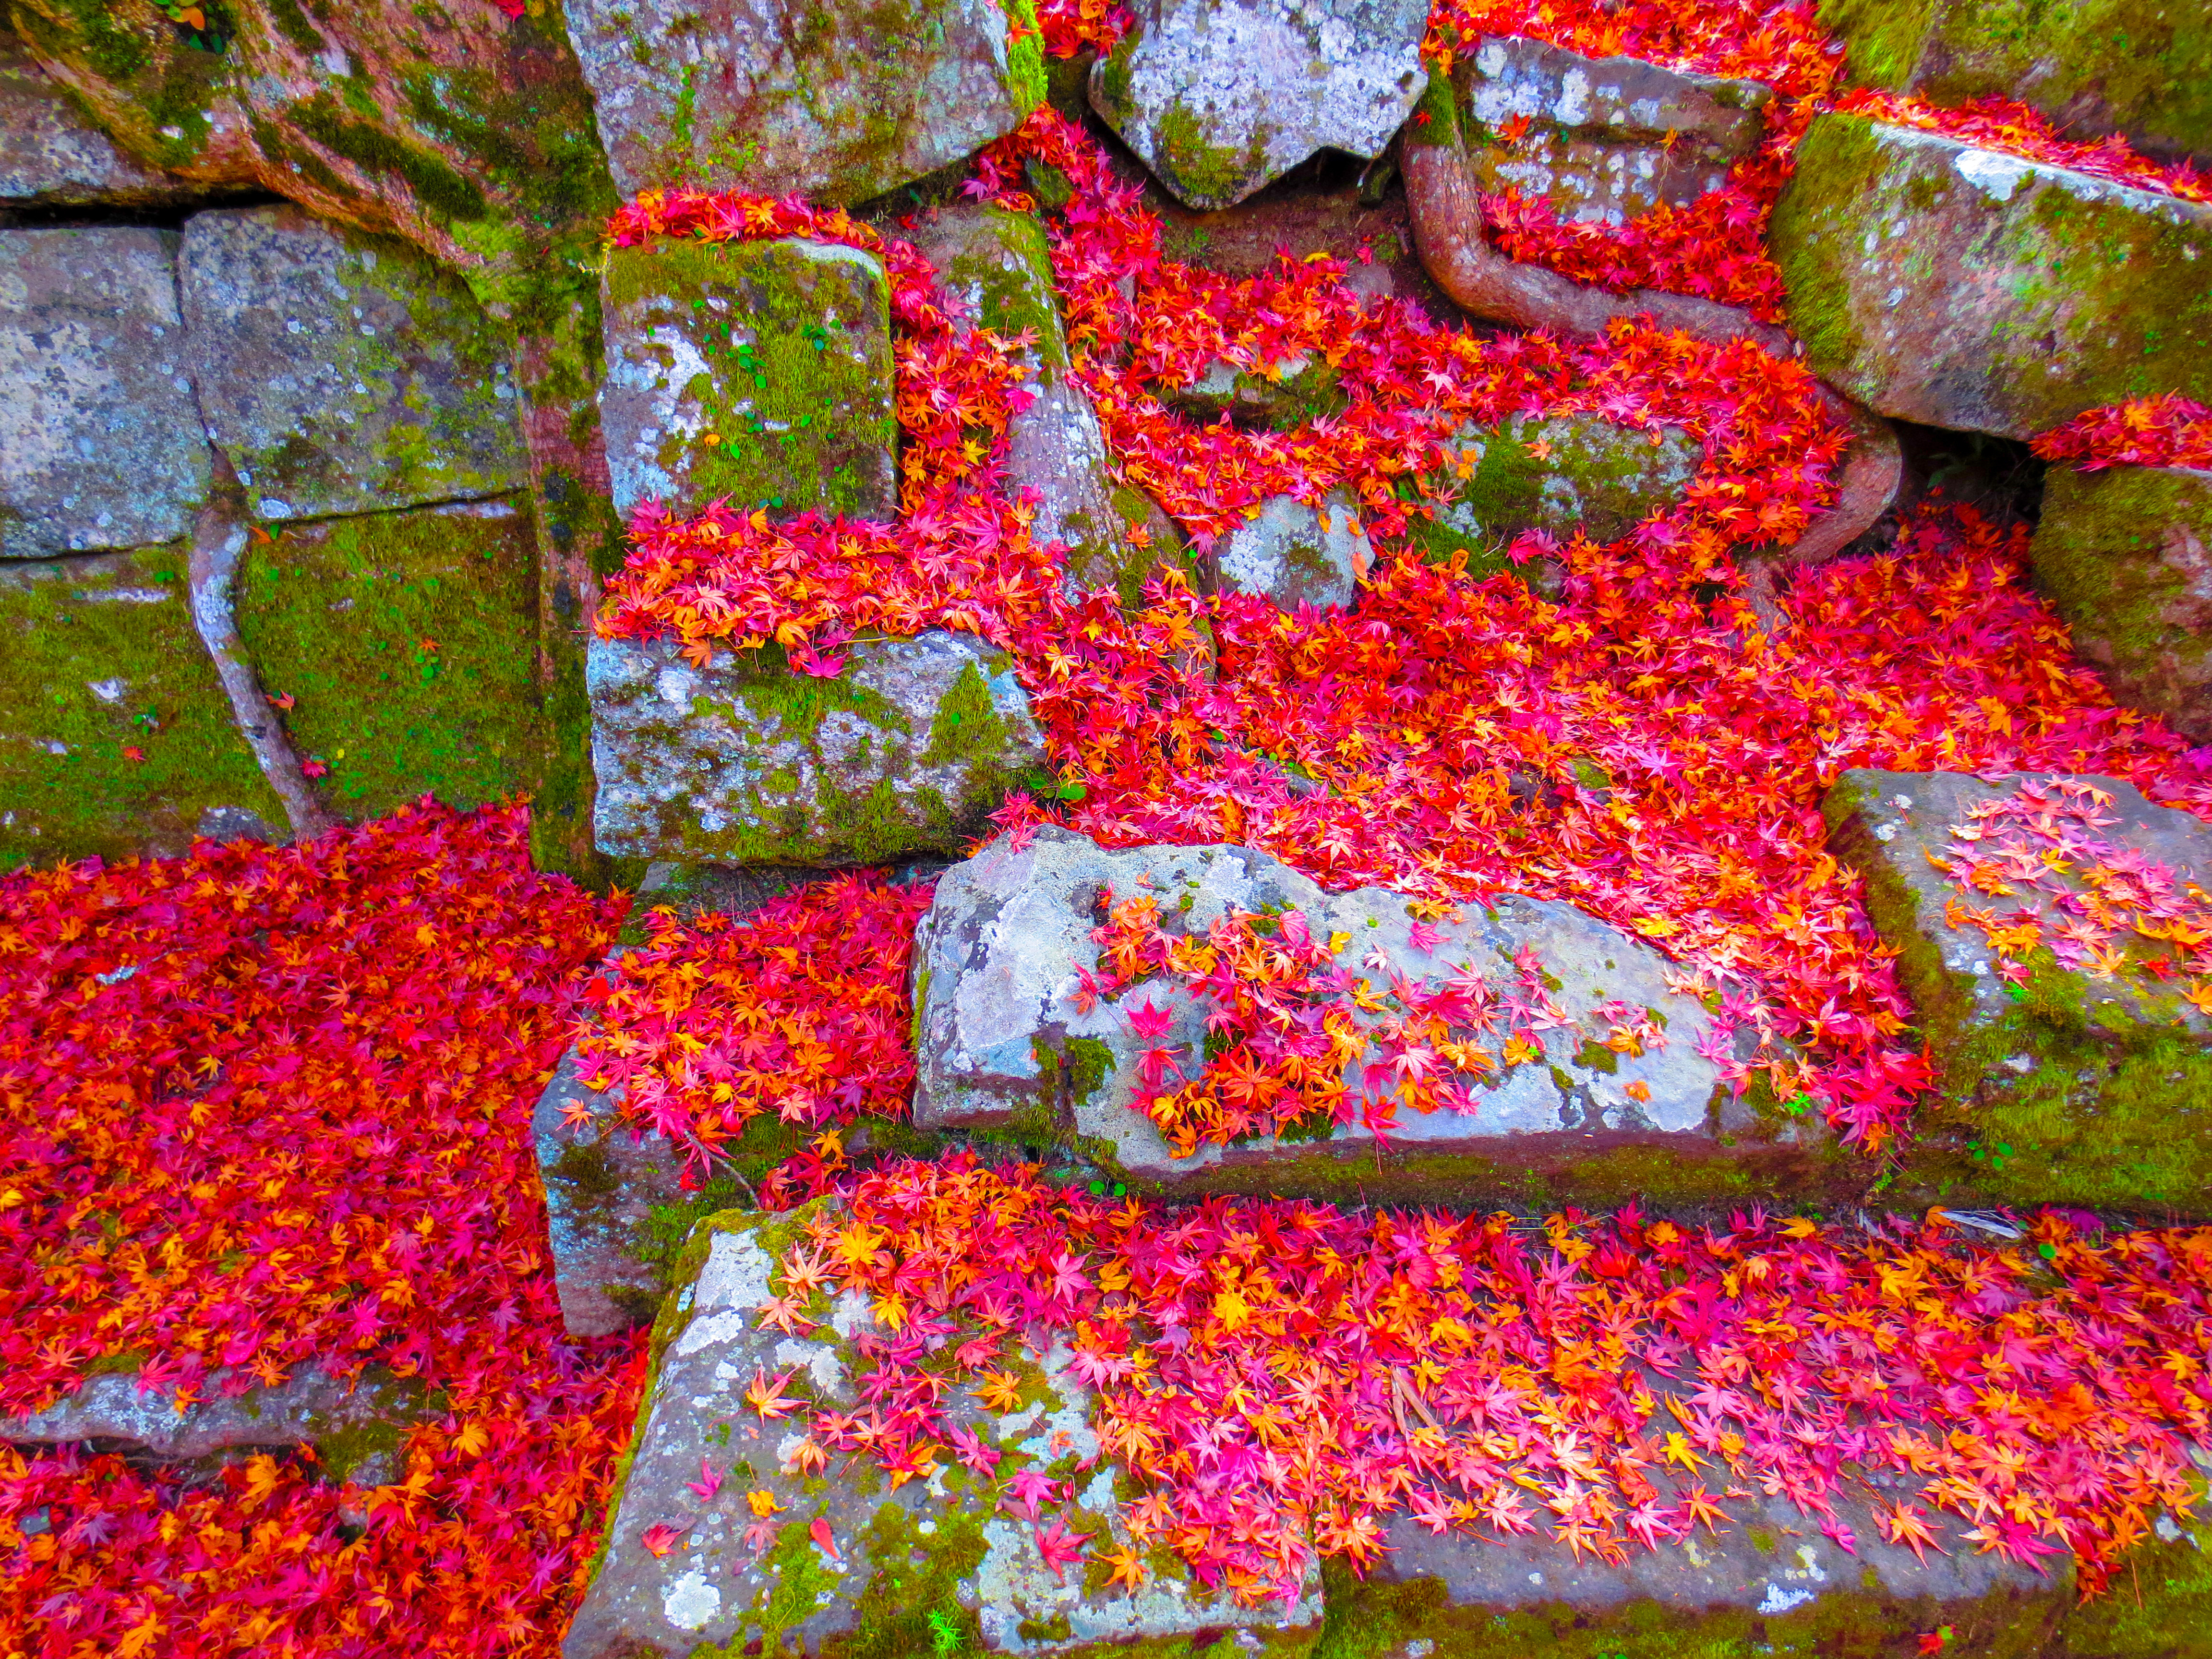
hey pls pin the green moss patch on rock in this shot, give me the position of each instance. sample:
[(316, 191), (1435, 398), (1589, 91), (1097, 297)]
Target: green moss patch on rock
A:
[(407, 641), (1964, 289), (758, 371), (115, 735), (2125, 556)]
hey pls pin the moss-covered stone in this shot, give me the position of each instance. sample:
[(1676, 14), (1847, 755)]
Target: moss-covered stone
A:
[(115, 735), (1964, 289), (756, 371), (2122, 555), (407, 641), (2092, 67)]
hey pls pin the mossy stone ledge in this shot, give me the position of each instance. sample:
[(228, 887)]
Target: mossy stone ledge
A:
[(835, 100), (1961, 288), (2064, 1088), (2125, 556), (933, 1566), (757, 371)]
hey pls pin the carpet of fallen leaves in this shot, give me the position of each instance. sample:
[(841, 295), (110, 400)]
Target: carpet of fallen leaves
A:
[(265, 1109)]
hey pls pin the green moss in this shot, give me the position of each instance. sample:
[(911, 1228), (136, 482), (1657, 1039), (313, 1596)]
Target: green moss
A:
[(1013, 286), (966, 729), (1025, 69), (409, 640), (1883, 39), (801, 416), (98, 656), (1202, 172), (1436, 118), (1814, 238), (447, 193)]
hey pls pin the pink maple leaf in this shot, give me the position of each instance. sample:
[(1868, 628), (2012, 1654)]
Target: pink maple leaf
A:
[(1061, 1548)]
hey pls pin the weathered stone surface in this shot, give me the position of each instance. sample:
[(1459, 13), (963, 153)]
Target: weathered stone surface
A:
[(51, 156), (102, 441), (357, 1426), (1605, 139), (408, 642), (1564, 474), (2092, 67), (1964, 289), (1297, 554), (2070, 1086), (342, 373), (1283, 393), (758, 371), (934, 1562), (2125, 556), (837, 101), (115, 735), (1220, 97), (907, 750), (1002, 1046)]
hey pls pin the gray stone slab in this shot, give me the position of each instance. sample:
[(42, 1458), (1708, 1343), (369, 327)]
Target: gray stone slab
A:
[(51, 156), (1605, 139), (1220, 97), (760, 372), (907, 750), (1962, 288), (1004, 1046), (343, 372), (938, 1554), (100, 444), (837, 101), (1565, 474), (1297, 554)]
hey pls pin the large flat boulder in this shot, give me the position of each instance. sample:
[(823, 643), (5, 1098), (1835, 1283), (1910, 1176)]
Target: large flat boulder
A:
[(1589, 1051), (116, 737), (342, 373), (1219, 98), (2125, 556), (51, 156), (758, 371), (97, 419), (2091, 67), (908, 749), (1605, 139), (2073, 1048), (1295, 553), (721, 1532), (839, 102), (1960, 287)]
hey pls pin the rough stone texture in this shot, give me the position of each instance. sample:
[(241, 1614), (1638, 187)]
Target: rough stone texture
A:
[(931, 1557), (1963, 288), (2125, 556), (1296, 555), (101, 439), (907, 750), (2071, 1088), (758, 371), (1568, 473), (1001, 1045), (2092, 67), (1605, 139), (343, 372), (98, 658), (1283, 393), (356, 1427), (51, 156), (407, 641), (839, 102), (1220, 97)]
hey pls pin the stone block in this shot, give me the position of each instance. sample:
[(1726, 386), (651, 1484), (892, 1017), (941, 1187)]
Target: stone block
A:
[(343, 372), (758, 371), (1220, 98), (2122, 555), (1004, 1049), (2091, 67), (934, 1565), (1606, 138), (98, 425), (409, 643), (51, 156), (838, 102), (2080, 1078), (1960, 287), (115, 735), (1297, 554), (908, 748)]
